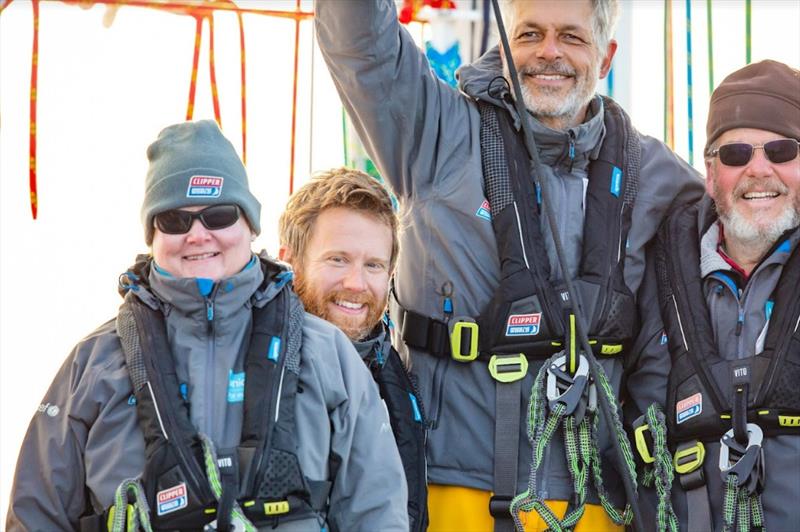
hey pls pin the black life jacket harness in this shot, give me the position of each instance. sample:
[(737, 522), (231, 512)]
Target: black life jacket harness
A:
[(185, 485), (530, 316), (712, 398), (407, 418)]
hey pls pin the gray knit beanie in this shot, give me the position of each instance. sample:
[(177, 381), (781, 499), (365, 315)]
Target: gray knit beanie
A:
[(192, 163)]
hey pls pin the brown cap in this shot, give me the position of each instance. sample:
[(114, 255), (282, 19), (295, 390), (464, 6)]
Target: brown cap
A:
[(764, 95)]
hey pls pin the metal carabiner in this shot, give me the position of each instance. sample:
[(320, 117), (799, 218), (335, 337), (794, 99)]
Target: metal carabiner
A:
[(571, 391), (743, 461)]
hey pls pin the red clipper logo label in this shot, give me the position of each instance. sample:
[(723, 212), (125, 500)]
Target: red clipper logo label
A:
[(484, 211), (523, 324), (203, 186), (688, 408), (171, 499)]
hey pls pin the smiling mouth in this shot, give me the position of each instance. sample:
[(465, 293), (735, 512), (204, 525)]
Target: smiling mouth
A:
[(201, 256), (349, 305), (759, 195), (550, 77)]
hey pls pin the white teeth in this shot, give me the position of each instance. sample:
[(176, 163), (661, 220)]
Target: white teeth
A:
[(350, 305), (551, 77), (201, 256), (759, 195)]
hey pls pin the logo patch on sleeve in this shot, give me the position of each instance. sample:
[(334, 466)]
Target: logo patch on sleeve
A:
[(171, 499), (688, 408), (203, 186), (484, 211), (523, 324)]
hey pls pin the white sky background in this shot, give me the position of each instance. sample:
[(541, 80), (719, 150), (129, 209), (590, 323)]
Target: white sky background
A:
[(105, 93)]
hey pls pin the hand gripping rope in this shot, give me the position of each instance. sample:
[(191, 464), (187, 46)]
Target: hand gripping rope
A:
[(595, 371)]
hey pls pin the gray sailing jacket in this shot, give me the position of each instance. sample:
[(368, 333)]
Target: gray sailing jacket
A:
[(424, 138), (781, 453), (84, 439)]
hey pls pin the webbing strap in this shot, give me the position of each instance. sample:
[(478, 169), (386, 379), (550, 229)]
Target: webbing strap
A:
[(216, 483), (699, 515), (508, 398)]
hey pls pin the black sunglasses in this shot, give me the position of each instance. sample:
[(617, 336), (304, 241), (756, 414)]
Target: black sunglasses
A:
[(740, 153), (178, 222)]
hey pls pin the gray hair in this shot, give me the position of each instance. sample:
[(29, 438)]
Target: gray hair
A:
[(604, 21)]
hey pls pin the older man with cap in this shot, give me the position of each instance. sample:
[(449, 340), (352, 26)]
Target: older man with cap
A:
[(213, 401), (728, 270)]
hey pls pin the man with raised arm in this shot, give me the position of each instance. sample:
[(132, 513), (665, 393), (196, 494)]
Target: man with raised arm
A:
[(479, 300)]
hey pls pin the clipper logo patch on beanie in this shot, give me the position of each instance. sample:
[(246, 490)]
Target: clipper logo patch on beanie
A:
[(203, 186)]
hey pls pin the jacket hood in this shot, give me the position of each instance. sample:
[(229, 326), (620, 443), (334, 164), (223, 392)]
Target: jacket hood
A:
[(476, 79), (483, 80)]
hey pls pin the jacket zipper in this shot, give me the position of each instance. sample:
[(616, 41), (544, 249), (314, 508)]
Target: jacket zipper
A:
[(210, 333)]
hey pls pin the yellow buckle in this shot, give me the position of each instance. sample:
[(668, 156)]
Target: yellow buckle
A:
[(508, 368), (789, 421), (276, 507), (641, 444), (610, 349), (459, 328), (689, 459), (129, 517)]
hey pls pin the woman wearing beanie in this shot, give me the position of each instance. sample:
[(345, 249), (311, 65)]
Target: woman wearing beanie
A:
[(212, 400)]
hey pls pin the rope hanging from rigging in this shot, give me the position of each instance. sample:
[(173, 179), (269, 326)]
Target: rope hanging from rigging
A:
[(669, 104)]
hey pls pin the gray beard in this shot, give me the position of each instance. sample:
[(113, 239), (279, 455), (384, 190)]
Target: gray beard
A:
[(559, 115), (758, 236)]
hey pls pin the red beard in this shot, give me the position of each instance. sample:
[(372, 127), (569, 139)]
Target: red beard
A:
[(355, 327)]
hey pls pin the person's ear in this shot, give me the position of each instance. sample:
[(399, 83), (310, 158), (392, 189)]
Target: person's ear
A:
[(605, 65), (285, 254)]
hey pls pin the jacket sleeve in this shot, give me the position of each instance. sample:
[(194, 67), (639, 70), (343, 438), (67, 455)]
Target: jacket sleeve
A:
[(665, 182), (369, 488), (49, 490), (649, 361), (412, 124)]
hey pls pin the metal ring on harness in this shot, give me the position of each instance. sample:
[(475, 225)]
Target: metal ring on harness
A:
[(743, 461), (571, 390)]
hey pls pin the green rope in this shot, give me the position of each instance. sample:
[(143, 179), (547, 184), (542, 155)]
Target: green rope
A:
[(140, 516), (748, 26), (741, 508), (710, 32), (743, 511), (345, 141), (212, 472), (729, 504), (582, 456), (661, 473)]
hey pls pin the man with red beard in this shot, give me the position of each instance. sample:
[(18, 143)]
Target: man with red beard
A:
[(339, 233), (727, 270)]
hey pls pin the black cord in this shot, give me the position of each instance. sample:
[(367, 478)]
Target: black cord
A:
[(605, 407)]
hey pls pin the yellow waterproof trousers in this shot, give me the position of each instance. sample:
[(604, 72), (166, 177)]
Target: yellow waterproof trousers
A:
[(460, 509)]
